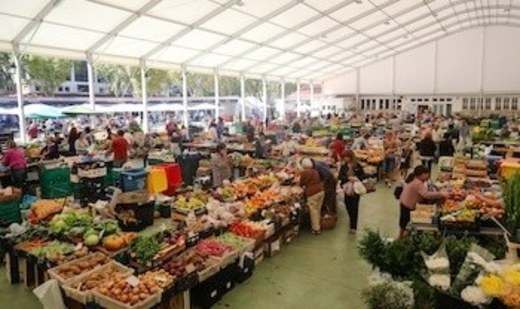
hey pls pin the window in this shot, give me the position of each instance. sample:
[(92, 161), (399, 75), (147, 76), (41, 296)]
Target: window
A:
[(67, 89), (37, 88), (465, 103), (442, 99), (498, 104), (387, 104), (426, 100), (380, 103), (413, 100), (488, 104), (419, 100), (80, 71), (472, 104), (514, 104), (434, 99), (362, 104), (448, 99), (506, 104), (60, 89), (480, 104), (82, 88)]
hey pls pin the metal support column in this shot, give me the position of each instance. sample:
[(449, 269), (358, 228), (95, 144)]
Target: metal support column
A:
[(357, 91), (19, 94), (92, 82), (243, 97), (282, 111), (298, 99), (217, 99), (144, 96), (185, 97), (264, 98), (311, 99)]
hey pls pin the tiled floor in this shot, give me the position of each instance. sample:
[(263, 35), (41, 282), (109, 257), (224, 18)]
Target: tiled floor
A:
[(312, 272)]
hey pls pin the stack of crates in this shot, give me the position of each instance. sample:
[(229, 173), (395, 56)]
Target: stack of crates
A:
[(133, 179), (10, 209), (55, 183)]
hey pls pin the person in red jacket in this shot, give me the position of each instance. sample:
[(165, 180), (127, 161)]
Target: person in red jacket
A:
[(120, 149), (337, 148)]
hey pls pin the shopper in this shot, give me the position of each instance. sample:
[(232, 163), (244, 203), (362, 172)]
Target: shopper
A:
[(427, 150), (437, 136), (261, 146), (415, 191), (82, 145), (329, 185), (51, 150), (33, 130), (313, 187), (14, 159), (390, 146), (406, 159), (72, 138), (120, 148), (221, 126), (213, 133), (337, 148), (350, 172), (220, 165)]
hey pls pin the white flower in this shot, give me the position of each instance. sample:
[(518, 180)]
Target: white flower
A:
[(474, 295), (493, 268), (440, 281), (476, 259), (437, 263), (377, 277)]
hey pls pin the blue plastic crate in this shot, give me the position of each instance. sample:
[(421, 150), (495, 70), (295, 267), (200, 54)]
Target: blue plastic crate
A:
[(134, 179)]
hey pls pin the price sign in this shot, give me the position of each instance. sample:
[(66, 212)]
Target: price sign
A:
[(133, 281)]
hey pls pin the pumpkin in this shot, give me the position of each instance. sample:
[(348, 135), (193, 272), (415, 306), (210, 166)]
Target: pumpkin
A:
[(114, 243)]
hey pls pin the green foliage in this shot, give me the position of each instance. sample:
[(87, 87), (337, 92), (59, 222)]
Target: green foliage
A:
[(49, 73), (117, 77), (388, 295), (483, 135), (512, 201), (7, 84)]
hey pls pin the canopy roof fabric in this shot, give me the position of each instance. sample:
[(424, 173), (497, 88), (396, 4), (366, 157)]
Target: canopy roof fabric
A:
[(83, 109), (39, 110), (292, 39)]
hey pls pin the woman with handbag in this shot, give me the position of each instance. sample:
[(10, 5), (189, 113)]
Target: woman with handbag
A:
[(350, 176)]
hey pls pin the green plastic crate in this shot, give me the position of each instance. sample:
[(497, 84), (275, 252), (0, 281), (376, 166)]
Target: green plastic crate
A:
[(152, 162), (55, 183), (10, 212), (112, 178)]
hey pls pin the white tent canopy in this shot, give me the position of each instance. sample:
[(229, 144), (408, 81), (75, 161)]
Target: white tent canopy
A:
[(293, 39)]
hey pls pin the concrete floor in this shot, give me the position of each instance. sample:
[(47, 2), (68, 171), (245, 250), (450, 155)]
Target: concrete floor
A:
[(311, 272)]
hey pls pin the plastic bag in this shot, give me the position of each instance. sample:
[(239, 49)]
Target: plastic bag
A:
[(49, 295), (476, 260), (438, 266)]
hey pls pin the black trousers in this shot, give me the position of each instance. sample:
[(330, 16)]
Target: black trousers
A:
[(352, 204)]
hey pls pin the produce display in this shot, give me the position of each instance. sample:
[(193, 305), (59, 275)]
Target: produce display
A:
[(110, 272), (59, 252), (247, 229), (42, 209), (161, 277), (144, 248), (77, 267), (185, 263), (121, 290), (212, 247)]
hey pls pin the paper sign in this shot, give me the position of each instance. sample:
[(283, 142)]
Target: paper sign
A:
[(133, 281), (190, 268), (213, 294), (275, 246)]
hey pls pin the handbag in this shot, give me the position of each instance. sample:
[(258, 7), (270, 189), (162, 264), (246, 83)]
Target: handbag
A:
[(359, 188)]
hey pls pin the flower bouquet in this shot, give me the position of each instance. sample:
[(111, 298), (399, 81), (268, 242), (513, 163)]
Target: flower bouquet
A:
[(438, 267), (383, 292)]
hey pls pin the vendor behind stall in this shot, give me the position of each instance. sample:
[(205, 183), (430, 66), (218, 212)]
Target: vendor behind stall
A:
[(14, 159), (220, 165), (120, 148), (51, 150)]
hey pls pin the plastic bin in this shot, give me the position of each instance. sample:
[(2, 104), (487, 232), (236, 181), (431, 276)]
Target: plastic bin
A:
[(55, 183), (10, 212), (207, 293), (143, 214), (133, 180), (157, 181)]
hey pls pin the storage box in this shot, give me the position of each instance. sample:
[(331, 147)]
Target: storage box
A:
[(134, 179), (110, 303), (272, 247), (226, 278), (244, 269), (207, 293)]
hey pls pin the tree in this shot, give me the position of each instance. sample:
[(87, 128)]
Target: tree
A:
[(7, 84), (117, 78), (156, 81), (49, 73)]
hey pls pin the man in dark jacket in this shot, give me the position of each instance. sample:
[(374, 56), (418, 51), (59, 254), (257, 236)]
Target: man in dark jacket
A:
[(329, 185)]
